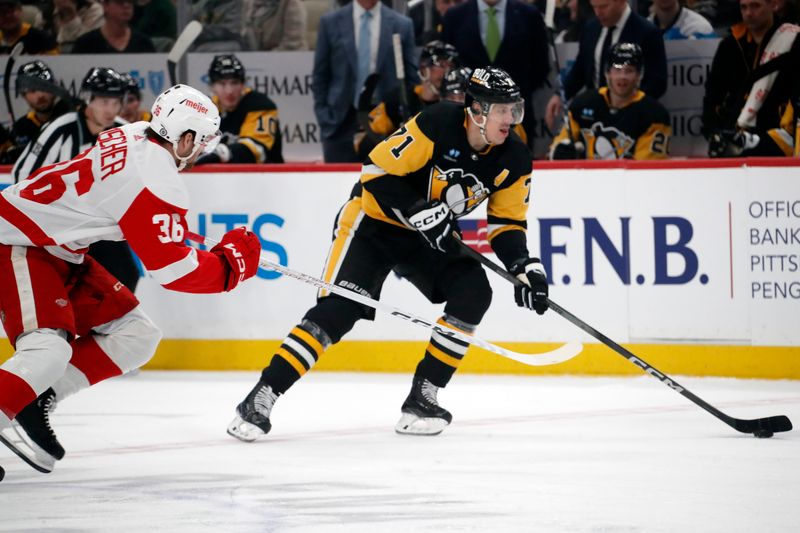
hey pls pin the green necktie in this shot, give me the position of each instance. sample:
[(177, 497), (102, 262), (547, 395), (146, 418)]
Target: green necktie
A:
[(492, 33)]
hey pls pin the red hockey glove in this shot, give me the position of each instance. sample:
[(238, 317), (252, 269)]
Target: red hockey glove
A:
[(241, 249), (534, 294)]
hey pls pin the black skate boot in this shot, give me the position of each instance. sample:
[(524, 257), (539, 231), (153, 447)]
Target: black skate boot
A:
[(252, 415), (30, 435), (422, 414)]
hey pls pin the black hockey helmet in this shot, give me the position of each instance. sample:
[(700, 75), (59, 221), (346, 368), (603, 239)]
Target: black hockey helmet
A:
[(624, 54), (436, 52), (131, 85), (225, 67), (455, 82), (492, 85), (35, 76), (103, 81)]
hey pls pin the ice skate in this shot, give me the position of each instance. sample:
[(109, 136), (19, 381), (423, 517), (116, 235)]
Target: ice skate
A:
[(21, 444), (252, 415), (422, 414), (35, 421)]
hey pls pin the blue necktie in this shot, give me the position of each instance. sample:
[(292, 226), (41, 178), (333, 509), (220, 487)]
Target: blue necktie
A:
[(364, 41)]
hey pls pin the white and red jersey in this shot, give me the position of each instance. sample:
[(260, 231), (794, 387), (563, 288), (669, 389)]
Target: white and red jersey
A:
[(124, 187)]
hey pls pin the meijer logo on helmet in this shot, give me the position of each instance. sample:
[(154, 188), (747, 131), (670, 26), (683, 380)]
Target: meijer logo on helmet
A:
[(200, 108)]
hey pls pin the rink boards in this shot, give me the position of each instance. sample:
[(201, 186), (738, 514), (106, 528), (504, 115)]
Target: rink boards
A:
[(694, 266)]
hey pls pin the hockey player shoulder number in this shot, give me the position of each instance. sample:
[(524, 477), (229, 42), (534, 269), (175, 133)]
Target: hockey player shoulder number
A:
[(406, 140)]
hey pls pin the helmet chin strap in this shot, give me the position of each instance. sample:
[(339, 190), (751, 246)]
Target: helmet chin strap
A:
[(183, 160), (481, 127)]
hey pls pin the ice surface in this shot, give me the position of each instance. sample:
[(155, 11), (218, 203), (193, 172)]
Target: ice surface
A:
[(150, 453)]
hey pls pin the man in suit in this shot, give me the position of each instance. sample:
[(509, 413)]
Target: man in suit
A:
[(519, 45), (353, 42), (614, 22)]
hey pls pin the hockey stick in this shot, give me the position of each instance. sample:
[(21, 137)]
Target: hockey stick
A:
[(400, 70), (12, 58), (182, 44), (553, 357), (550, 24), (760, 427)]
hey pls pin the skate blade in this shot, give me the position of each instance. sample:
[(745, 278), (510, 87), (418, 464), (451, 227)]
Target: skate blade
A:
[(244, 430), (27, 450), (410, 424)]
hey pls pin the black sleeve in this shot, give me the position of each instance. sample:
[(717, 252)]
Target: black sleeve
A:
[(574, 81), (717, 85), (510, 246)]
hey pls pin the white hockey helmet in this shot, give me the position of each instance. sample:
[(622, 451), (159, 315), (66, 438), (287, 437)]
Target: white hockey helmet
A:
[(180, 109)]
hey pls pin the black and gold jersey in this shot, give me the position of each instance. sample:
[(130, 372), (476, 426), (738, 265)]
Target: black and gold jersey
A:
[(27, 128), (386, 117), (640, 130), (430, 158), (252, 130)]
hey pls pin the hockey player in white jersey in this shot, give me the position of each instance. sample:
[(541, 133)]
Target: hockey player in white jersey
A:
[(71, 323)]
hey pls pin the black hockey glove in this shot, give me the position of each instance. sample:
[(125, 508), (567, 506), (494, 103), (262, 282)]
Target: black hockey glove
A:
[(534, 294), (435, 223), (569, 150), (731, 143)]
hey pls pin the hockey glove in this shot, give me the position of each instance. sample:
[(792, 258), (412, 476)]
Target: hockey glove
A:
[(241, 249), (435, 222), (731, 143), (569, 150), (221, 154), (534, 294)]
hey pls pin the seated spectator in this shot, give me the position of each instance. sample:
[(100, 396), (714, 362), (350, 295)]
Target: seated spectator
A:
[(274, 25), (222, 25), (116, 34), (618, 121), (416, 11), (14, 30), (251, 131), (73, 18), (131, 110), (752, 83), (677, 22), (579, 11), (47, 101), (156, 18), (379, 121)]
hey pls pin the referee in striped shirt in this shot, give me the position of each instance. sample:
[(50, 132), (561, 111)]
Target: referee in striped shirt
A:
[(102, 92)]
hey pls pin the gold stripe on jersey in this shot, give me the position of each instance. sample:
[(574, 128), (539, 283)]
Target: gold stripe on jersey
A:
[(446, 349), (292, 360), (449, 360), (654, 143), (346, 225), (509, 204), (409, 142), (416, 150)]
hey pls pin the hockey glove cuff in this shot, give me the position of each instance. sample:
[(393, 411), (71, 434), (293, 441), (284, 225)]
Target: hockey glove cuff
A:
[(435, 223), (241, 249), (534, 294)]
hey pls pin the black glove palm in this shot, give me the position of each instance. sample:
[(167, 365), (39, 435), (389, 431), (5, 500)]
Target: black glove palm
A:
[(533, 294)]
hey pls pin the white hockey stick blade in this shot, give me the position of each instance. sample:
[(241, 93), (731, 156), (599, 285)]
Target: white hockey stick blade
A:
[(397, 48), (549, 14), (552, 357), (184, 41)]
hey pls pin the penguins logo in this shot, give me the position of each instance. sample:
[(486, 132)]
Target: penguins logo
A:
[(462, 192), (609, 143)]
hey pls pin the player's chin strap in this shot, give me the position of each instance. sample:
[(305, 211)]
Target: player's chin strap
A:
[(184, 160), (481, 128)]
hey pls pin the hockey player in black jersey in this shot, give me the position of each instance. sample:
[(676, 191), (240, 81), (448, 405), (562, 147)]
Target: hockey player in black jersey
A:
[(618, 121), (251, 131), (36, 83), (436, 60), (438, 167)]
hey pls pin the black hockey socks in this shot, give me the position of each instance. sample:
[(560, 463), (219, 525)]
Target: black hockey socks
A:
[(443, 354), (298, 353)]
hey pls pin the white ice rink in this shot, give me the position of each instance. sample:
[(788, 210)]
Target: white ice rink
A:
[(150, 453)]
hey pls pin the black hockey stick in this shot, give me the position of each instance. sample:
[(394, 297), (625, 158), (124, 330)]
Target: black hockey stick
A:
[(179, 49), (760, 427), (12, 58)]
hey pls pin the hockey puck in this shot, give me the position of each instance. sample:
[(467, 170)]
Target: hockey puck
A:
[(763, 433)]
